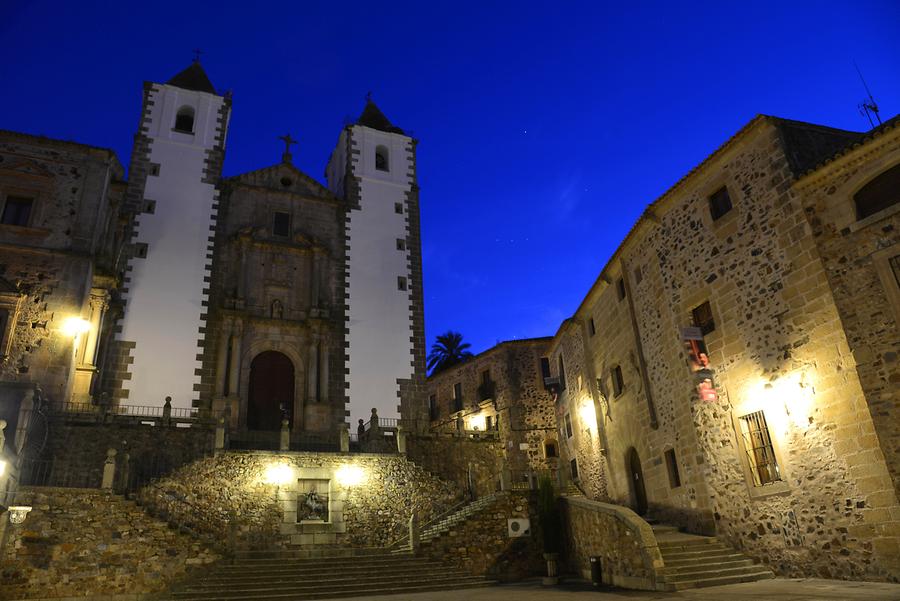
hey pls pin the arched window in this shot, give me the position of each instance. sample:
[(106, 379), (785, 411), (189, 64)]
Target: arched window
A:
[(184, 120), (879, 194), (381, 158)]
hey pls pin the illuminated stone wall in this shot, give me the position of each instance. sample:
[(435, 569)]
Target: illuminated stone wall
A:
[(78, 542), (778, 346), (857, 255), (373, 511), (48, 266), (517, 401)]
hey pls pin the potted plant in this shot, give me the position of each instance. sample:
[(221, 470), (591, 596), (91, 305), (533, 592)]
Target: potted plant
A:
[(551, 528)]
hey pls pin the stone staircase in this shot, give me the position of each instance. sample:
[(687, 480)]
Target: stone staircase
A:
[(693, 561), (446, 523), (293, 575)]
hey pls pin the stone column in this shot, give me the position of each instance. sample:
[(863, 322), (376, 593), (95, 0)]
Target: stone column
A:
[(401, 440), (242, 273), (86, 347), (316, 277), (413, 534), (109, 470), (234, 376), (313, 372), (285, 442), (323, 373)]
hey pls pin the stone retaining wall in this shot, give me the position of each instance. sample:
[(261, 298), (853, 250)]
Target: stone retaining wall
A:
[(79, 542), (459, 459), (482, 545), (371, 513), (625, 544)]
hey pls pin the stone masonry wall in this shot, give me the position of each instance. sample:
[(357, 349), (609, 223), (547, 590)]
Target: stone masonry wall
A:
[(482, 545), (375, 512), (778, 346), (629, 555), (80, 542), (457, 460), (857, 255)]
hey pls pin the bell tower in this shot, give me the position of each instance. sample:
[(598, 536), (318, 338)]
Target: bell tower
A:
[(373, 169), (175, 166)]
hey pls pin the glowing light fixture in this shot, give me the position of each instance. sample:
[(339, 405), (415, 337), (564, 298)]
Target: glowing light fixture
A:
[(588, 414), (350, 475), (74, 326), (2, 467), (279, 474), (17, 513)]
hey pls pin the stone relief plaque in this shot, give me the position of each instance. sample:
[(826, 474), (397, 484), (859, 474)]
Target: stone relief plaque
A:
[(312, 500)]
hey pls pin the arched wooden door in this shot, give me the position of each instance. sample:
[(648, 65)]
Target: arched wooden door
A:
[(271, 395), (638, 492)]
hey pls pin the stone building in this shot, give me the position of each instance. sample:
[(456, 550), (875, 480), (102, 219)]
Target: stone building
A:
[(62, 231), (733, 370), (500, 394), (266, 295)]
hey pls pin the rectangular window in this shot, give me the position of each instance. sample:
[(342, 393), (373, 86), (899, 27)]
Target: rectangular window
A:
[(703, 318), (758, 446), (617, 380), (562, 373), (401, 244), (488, 423), (401, 283), (573, 467), (486, 377), (154, 169), (895, 267), (17, 211), (545, 367), (620, 288), (457, 397), (398, 208), (591, 328), (638, 275), (433, 410), (672, 467), (281, 224), (719, 203), (568, 426)]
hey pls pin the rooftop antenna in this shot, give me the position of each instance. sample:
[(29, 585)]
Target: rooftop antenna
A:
[(869, 108)]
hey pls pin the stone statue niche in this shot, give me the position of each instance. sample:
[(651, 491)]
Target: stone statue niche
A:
[(312, 500)]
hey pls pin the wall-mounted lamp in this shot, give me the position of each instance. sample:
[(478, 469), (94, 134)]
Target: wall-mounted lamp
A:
[(17, 513), (350, 475), (278, 474), (75, 326)]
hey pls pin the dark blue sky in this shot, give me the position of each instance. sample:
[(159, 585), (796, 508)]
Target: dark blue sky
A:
[(544, 128)]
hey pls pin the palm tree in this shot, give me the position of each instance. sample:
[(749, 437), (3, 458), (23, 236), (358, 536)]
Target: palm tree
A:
[(448, 350)]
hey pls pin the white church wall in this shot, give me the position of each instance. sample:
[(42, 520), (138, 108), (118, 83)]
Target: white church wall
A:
[(166, 289), (380, 317)]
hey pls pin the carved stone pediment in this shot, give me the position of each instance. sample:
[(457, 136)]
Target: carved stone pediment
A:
[(284, 177)]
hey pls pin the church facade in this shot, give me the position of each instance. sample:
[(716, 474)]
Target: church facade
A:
[(265, 296)]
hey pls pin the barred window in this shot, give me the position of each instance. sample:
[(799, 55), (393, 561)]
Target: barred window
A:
[(759, 449), (618, 380)]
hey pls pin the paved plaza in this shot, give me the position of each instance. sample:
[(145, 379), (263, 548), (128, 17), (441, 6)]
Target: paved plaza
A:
[(780, 589)]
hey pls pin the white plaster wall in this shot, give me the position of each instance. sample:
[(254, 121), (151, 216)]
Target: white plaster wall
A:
[(380, 318), (165, 294)]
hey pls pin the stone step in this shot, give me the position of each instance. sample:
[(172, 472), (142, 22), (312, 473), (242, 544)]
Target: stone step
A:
[(296, 595), (316, 575), (309, 553), (380, 562), (712, 573), (660, 529), (686, 541), (701, 554), (761, 574), (333, 583), (717, 560)]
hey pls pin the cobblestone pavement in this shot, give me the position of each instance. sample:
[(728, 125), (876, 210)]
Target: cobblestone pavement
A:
[(779, 589)]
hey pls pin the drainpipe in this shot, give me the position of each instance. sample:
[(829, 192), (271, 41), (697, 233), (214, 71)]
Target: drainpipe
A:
[(651, 406)]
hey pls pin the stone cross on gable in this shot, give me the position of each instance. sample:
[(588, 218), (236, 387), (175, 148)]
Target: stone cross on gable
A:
[(288, 140), (197, 53)]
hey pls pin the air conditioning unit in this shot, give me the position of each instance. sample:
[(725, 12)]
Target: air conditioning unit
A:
[(518, 527)]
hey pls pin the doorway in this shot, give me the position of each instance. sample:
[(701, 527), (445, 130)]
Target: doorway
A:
[(271, 391), (636, 478)]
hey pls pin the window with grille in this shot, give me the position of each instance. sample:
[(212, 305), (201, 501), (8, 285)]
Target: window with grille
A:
[(719, 203), (759, 449), (703, 318)]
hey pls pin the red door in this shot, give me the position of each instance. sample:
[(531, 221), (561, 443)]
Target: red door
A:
[(271, 391)]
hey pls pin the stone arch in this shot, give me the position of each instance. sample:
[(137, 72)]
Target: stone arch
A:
[(636, 481), (270, 397), (258, 346)]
